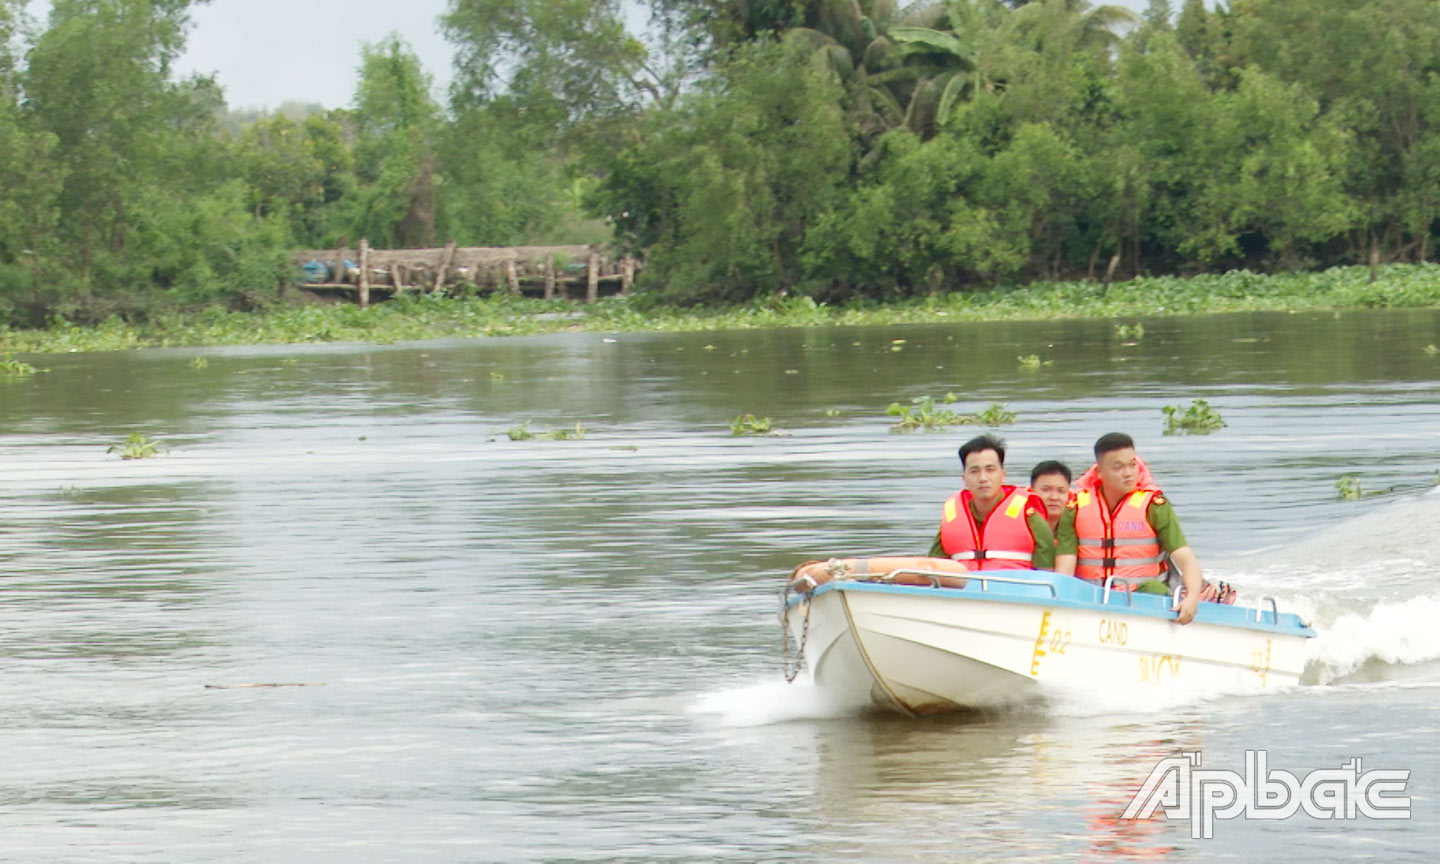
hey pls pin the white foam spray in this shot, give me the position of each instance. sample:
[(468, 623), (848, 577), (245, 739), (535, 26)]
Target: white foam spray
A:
[(769, 702)]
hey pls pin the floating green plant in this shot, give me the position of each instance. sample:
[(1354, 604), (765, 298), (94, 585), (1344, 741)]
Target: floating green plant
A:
[(1198, 419), (1032, 362), (924, 414), (136, 446), (11, 367), (1348, 488), (199, 362), (995, 415), (1130, 332), (575, 434), (523, 433), (749, 424)]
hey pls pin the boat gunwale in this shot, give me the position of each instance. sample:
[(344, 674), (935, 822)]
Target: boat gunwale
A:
[(1219, 615)]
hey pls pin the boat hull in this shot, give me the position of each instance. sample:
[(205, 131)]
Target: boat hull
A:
[(994, 643)]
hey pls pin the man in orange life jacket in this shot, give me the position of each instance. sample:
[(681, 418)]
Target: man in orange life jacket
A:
[(1119, 528), (991, 526)]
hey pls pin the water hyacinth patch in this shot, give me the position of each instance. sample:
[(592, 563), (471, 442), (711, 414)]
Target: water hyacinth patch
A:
[(136, 446), (523, 433), (923, 415), (1198, 419), (12, 368), (749, 424)]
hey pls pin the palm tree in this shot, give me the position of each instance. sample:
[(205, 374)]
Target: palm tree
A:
[(954, 63), (958, 63), (852, 39), (1095, 26)]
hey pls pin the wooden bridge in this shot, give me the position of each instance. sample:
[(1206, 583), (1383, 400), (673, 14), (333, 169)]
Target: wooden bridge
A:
[(538, 271)]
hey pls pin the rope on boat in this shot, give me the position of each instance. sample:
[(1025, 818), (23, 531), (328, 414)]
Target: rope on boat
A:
[(793, 671)]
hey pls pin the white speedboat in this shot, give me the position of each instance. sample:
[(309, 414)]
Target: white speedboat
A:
[(993, 639)]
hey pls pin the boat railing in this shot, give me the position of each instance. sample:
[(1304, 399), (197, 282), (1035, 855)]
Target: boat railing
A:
[(1109, 586), (1259, 605), (1274, 608), (983, 578)]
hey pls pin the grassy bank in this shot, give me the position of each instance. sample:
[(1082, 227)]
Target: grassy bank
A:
[(1399, 286)]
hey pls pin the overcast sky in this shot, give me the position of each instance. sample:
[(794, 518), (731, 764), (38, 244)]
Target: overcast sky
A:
[(265, 52)]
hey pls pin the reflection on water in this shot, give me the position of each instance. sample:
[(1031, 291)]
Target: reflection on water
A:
[(1024, 785), (568, 649)]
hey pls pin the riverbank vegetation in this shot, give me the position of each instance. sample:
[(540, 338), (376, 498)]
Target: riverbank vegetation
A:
[(432, 317), (772, 162), (438, 317)]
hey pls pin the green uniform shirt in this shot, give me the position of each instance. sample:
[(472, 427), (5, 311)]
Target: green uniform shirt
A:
[(1159, 514), (1044, 555)]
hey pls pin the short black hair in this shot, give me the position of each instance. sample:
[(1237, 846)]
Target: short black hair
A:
[(983, 442), (1112, 442), (1050, 466)]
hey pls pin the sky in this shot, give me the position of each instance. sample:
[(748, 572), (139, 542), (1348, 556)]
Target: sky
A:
[(267, 52)]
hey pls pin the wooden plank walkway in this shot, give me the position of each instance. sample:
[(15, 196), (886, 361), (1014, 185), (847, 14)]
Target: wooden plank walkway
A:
[(541, 271)]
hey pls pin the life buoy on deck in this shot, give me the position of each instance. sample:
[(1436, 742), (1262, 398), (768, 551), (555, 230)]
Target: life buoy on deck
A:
[(812, 574)]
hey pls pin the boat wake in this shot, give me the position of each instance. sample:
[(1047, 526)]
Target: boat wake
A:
[(770, 702), (1367, 589), (1377, 644), (1136, 700), (775, 702)]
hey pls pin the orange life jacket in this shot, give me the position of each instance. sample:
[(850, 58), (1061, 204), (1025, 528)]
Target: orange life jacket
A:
[(1120, 544), (1002, 542)]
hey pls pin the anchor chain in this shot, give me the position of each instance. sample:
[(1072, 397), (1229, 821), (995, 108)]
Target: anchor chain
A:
[(792, 672)]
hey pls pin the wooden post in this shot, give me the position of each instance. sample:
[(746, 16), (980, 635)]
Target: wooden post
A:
[(592, 278), (627, 274), (340, 264), (1110, 270), (395, 278), (444, 265), (364, 273), (1374, 257), (550, 278), (512, 276)]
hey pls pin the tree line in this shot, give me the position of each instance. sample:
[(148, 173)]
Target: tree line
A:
[(830, 148)]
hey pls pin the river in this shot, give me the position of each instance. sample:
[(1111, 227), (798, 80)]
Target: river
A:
[(568, 650)]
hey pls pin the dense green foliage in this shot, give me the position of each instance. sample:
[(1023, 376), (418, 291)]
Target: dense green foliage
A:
[(126, 192), (843, 149), (765, 151)]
